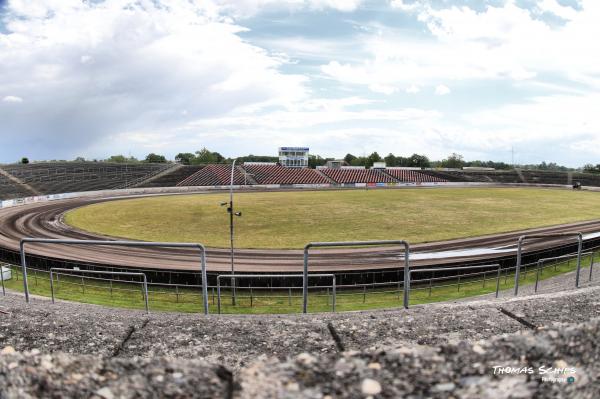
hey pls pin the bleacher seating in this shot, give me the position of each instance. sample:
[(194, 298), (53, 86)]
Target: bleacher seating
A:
[(413, 176), (357, 176), (64, 177), (276, 174), (214, 175), (11, 190), (173, 177), (545, 177), (587, 179)]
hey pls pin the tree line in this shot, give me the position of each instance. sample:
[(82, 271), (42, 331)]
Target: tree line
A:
[(453, 161)]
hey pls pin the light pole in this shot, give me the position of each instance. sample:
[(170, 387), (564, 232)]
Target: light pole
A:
[(231, 212)]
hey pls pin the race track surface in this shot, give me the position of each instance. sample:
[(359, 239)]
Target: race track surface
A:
[(44, 220)]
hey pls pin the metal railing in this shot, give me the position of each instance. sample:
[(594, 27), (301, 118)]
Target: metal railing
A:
[(378, 292), (310, 245), (200, 247), (236, 276), (73, 272), (523, 238), (540, 265), (450, 269)]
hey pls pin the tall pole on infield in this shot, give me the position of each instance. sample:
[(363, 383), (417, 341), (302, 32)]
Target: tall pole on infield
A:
[(231, 233)]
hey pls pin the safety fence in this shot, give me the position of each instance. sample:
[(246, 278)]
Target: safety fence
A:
[(426, 285)]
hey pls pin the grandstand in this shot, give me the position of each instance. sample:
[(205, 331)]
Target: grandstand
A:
[(172, 177), (344, 176), (412, 176), (65, 177), (276, 174), (10, 190), (214, 175), (545, 177)]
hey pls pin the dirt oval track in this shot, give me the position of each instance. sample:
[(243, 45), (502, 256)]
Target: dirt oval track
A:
[(44, 220)]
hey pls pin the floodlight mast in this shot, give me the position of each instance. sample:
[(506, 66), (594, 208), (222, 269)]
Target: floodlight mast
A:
[(231, 214)]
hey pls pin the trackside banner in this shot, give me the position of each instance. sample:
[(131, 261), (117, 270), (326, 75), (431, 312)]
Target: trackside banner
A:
[(192, 189)]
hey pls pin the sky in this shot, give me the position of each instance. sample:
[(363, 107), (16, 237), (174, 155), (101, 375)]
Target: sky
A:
[(485, 79)]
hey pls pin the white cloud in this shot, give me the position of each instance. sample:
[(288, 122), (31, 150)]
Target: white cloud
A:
[(12, 99), (442, 90), (503, 42), (405, 6), (248, 8), (384, 89), (413, 89), (90, 70)]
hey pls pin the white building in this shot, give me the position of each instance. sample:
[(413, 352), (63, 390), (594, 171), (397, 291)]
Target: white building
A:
[(293, 157)]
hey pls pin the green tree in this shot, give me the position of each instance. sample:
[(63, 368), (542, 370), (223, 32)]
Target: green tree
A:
[(371, 159), (391, 160), (349, 158), (185, 158), (454, 161), (24, 160), (418, 161), (204, 156), (155, 158), (121, 159)]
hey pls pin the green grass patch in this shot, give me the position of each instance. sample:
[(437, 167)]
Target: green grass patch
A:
[(185, 299), (292, 219)]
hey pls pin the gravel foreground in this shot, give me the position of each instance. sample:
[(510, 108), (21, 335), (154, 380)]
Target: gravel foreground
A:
[(445, 350), (460, 370)]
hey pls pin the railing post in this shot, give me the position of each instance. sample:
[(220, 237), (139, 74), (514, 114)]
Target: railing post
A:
[(305, 280), (518, 265), (591, 266), (579, 249), (218, 295), (2, 278), (537, 275), (334, 293), (430, 284), (52, 285), (406, 276), (24, 268), (498, 280), (146, 294), (289, 296), (365, 293)]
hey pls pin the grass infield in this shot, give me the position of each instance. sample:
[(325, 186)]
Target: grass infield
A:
[(281, 220)]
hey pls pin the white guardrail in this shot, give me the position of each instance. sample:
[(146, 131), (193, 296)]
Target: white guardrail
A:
[(191, 189)]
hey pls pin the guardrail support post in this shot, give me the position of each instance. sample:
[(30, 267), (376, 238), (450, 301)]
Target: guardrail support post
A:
[(579, 249), (218, 295), (334, 293), (52, 285)]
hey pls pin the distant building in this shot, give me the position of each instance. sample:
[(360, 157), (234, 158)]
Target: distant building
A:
[(336, 164), (293, 157)]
